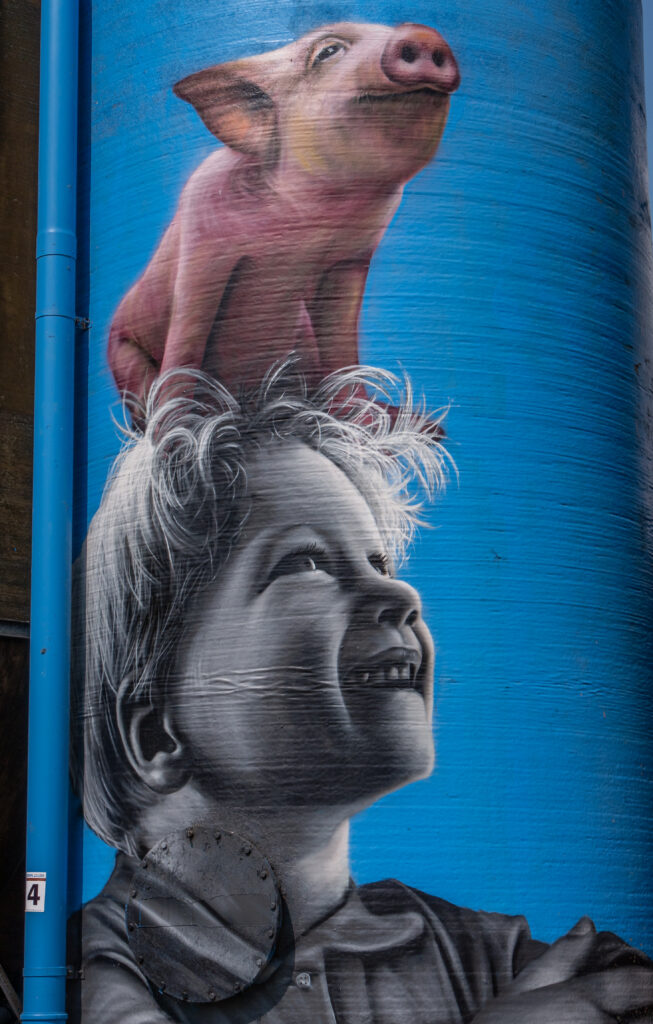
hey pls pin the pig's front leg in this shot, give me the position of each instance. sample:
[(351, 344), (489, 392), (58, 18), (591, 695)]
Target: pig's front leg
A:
[(140, 324), (335, 310), (133, 367), (200, 284)]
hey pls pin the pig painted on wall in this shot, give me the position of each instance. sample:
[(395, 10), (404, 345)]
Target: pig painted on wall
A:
[(269, 249)]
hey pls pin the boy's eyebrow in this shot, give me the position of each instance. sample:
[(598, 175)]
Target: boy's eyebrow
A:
[(269, 537), (272, 534), (276, 532)]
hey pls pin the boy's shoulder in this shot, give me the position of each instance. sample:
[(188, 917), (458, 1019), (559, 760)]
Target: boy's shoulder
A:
[(503, 939), (499, 942), (471, 938), (99, 929)]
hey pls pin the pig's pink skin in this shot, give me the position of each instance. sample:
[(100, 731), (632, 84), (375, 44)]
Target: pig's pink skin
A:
[(269, 249)]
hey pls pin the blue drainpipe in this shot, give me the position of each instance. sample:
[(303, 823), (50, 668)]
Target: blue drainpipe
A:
[(44, 994)]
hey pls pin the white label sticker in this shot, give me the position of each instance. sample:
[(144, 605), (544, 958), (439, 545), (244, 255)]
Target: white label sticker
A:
[(35, 892)]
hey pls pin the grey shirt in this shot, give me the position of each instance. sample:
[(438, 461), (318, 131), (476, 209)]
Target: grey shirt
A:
[(388, 955)]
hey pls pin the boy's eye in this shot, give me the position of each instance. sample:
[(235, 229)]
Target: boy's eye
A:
[(305, 561), (326, 52), (381, 563)]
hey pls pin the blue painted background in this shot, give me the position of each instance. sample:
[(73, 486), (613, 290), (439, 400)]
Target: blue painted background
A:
[(514, 283)]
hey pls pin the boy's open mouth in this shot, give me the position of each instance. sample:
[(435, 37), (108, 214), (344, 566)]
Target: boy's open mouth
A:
[(396, 668)]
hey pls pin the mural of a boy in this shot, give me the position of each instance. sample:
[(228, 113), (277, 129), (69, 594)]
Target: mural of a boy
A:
[(247, 658)]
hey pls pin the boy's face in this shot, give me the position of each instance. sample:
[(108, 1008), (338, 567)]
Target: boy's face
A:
[(306, 673)]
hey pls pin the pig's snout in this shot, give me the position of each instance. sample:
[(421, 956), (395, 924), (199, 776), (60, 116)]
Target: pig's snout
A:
[(416, 55)]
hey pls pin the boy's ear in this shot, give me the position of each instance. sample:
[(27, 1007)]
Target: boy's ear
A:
[(151, 744), (235, 107)]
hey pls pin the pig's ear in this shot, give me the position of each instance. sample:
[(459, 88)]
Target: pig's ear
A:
[(235, 110)]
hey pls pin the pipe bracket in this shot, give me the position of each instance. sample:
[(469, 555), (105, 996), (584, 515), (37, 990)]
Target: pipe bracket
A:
[(45, 972), (43, 1016), (56, 242)]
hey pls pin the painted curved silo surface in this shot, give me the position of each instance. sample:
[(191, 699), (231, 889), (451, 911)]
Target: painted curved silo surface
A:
[(457, 193)]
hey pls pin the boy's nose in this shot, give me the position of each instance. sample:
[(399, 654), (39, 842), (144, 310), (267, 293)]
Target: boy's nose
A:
[(394, 603)]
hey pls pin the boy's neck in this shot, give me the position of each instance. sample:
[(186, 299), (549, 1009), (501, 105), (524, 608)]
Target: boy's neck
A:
[(310, 858)]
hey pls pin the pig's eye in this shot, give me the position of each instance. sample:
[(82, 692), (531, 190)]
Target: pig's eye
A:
[(326, 52)]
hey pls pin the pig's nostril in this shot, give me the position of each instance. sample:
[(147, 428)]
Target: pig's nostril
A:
[(409, 53)]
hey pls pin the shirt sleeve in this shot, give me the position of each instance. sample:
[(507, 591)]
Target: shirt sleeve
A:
[(490, 949)]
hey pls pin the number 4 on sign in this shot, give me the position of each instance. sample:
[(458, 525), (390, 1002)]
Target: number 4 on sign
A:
[(35, 892)]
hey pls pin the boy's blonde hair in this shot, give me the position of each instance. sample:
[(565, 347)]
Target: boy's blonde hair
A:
[(173, 509)]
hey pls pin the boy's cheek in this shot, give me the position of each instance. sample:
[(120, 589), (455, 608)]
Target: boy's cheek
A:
[(290, 609), (316, 589)]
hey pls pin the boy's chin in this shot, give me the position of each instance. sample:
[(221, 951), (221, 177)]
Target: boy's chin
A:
[(357, 779), (349, 792), (419, 766), (379, 780)]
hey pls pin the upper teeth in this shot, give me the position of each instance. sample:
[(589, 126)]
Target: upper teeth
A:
[(388, 673)]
